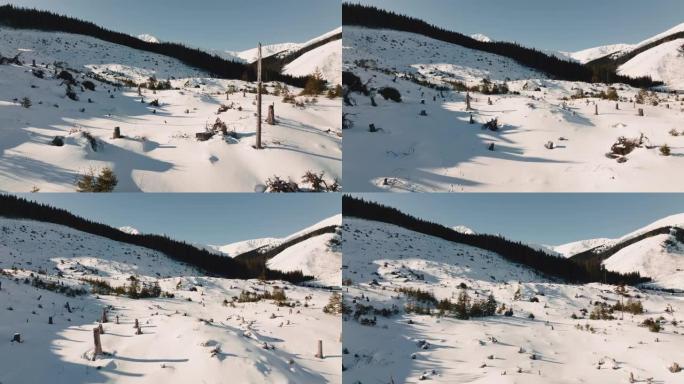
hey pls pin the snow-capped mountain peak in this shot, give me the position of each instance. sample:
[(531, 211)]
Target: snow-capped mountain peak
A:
[(130, 230), (481, 37), (148, 38)]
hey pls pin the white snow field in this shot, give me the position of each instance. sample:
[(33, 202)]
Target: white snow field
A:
[(550, 347), (441, 152), (201, 335), (159, 151)]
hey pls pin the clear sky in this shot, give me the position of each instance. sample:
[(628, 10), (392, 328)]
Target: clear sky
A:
[(550, 219), (233, 25), (565, 25), (214, 219)]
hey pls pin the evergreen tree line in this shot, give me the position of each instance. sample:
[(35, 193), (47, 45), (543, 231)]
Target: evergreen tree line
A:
[(212, 264), (373, 17), (24, 18), (568, 270)]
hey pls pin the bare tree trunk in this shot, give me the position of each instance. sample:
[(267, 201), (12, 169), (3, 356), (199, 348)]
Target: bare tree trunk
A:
[(258, 132), (595, 109), (641, 111), (98, 343), (101, 329)]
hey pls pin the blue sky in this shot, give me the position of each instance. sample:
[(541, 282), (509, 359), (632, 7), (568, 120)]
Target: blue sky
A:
[(547, 24), (214, 219), (552, 219), (212, 24)]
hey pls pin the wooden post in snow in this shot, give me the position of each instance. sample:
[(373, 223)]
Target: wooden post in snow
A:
[(258, 130), (100, 328), (595, 109), (98, 343), (320, 349), (104, 315), (50, 320), (641, 112), (136, 324)]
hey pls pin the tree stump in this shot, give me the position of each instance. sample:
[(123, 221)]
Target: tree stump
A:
[(100, 329), (371, 128), (595, 109), (423, 113), (104, 315), (270, 119), (138, 331), (468, 102), (491, 146), (422, 101), (117, 319), (489, 101), (98, 343), (33, 62), (136, 324), (641, 112), (50, 320), (470, 120), (68, 307), (319, 354), (617, 106), (16, 338)]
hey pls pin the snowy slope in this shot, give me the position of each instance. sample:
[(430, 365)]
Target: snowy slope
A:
[(575, 247), (663, 63), (326, 58), (589, 54), (441, 152), (259, 342), (551, 347), (317, 256), (159, 151), (660, 257)]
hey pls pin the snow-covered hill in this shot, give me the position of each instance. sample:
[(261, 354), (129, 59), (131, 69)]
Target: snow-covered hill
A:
[(198, 331), (426, 142), (546, 338), (159, 150), (662, 62), (326, 58), (317, 256), (659, 256)]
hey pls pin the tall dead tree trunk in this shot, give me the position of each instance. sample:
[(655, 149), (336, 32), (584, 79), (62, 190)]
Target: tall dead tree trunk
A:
[(595, 109), (258, 131)]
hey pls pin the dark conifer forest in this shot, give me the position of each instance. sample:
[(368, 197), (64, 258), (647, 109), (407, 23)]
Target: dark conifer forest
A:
[(23, 18), (213, 264), (568, 270), (372, 17)]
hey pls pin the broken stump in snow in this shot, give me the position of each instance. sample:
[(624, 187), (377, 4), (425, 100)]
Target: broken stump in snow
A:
[(16, 338), (98, 342), (319, 354)]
